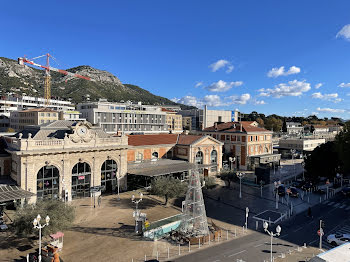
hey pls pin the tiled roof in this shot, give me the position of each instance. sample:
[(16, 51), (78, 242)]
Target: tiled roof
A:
[(318, 126), (159, 139), (162, 139), (188, 139), (167, 110), (235, 127), (40, 109)]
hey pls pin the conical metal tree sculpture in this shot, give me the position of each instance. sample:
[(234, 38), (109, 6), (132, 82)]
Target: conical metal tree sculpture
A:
[(194, 220)]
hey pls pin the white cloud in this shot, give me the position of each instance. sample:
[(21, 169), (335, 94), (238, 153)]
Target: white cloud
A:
[(213, 100), (292, 88), (344, 85), (188, 100), (222, 86), (229, 68), (242, 99), (328, 97), (348, 94), (198, 84), (330, 110), (259, 102), (222, 64), (344, 32), (276, 72), (317, 86)]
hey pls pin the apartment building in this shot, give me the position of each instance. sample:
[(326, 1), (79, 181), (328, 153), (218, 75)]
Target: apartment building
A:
[(35, 116), (294, 128), (173, 121), (203, 118), (14, 103), (246, 144), (301, 145), (124, 117)]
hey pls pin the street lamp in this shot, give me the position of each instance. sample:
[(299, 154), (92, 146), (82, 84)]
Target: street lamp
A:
[(292, 151), (278, 232), (240, 176), (36, 224), (303, 165), (246, 217), (136, 212)]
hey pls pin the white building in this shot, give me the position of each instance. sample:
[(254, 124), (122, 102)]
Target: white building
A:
[(124, 117), (203, 118), (10, 104), (294, 128), (300, 145)]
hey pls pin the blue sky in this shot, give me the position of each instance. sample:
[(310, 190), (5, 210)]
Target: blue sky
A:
[(283, 57)]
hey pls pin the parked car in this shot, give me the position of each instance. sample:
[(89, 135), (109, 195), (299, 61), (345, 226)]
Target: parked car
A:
[(346, 191), (298, 184), (281, 190), (293, 192), (320, 191), (338, 239), (308, 185)]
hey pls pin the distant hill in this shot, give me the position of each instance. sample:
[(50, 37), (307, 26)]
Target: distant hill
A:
[(19, 79)]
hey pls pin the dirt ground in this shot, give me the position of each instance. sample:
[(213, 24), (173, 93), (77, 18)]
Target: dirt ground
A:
[(106, 233)]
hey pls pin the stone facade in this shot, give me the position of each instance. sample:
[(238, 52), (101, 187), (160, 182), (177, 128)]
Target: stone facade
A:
[(79, 143)]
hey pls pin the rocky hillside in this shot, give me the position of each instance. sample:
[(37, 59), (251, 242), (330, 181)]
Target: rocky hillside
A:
[(19, 79)]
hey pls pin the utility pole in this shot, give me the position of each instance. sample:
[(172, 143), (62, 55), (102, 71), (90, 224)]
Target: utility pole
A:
[(321, 233)]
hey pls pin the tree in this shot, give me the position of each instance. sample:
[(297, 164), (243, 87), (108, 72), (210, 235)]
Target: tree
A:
[(273, 123), (61, 217), (260, 122), (284, 126), (228, 177), (343, 148), (323, 161), (168, 187)]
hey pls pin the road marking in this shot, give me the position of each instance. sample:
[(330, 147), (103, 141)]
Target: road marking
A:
[(342, 206), (331, 203), (284, 235), (258, 245), (235, 254), (296, 230)]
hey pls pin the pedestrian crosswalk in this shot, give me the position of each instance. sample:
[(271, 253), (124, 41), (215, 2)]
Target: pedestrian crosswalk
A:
[(337, 205), (341, 230)]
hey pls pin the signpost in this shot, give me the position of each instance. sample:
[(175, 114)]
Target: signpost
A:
[(94, 190)]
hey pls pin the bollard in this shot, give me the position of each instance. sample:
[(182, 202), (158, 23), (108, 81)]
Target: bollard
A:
[(189, 246), (243, 230), (157, 255), (209, 239), (199, 243), (168, 253), (226, 234), (145, 257), (256, 225), (132, 260), (304, 245), (27, 257), (179, 250)]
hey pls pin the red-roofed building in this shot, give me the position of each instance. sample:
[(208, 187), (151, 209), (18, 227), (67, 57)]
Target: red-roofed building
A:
[(202, 150), (245, 142)]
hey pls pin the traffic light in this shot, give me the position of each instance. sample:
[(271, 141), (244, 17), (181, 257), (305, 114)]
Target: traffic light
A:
[(322, 224)]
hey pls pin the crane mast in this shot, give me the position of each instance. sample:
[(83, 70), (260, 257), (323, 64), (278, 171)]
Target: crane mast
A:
[(48, 68)]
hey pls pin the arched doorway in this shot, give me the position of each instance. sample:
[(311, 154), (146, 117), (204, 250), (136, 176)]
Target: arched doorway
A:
[(109, 176), (81, 178), (47, 185)]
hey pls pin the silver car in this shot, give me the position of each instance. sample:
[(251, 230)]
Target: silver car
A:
[(338, 239)]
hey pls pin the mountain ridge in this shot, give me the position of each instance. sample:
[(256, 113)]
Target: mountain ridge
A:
[(24, 79)]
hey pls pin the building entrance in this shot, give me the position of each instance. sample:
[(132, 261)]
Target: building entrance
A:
[(81, 180)]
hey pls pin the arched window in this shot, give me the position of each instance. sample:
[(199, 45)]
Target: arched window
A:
[(214, 157), (81, 177), (109, 175), (199, 158), (155, 155), (48, 182)]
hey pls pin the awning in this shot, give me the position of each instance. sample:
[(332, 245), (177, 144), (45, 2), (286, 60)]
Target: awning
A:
[(10, 193), (57, 235), (161, 167)]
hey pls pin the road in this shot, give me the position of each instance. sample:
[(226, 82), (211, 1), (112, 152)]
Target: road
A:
[(295, 232)]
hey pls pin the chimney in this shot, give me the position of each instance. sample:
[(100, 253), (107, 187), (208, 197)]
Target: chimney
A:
[(216, 126)]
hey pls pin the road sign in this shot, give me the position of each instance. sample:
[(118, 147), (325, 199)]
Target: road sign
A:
[(320, 232)]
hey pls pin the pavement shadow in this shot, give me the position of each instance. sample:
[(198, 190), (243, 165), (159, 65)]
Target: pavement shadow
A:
[(124, 231)]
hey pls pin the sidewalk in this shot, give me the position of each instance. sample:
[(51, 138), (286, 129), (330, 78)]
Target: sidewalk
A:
[(303, 254)]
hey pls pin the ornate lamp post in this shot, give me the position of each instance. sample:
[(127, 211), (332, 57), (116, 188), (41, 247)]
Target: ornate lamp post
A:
[(278, 232), (36, 224), (240, 176), (137, 212)]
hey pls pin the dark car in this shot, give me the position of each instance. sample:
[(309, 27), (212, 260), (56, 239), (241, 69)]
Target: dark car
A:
[(281, 191), (346, 191), (308, 185), (293, 192), (320, 191)]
